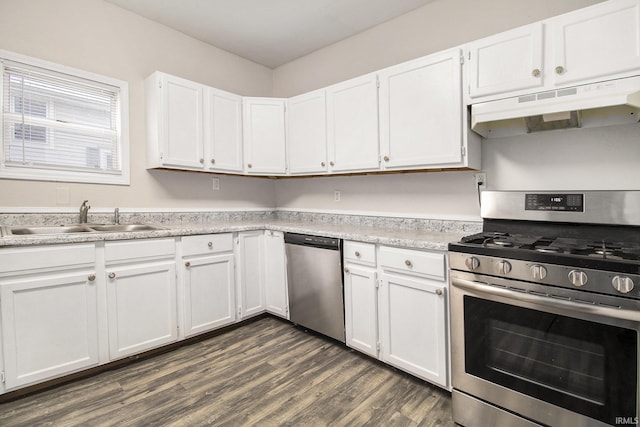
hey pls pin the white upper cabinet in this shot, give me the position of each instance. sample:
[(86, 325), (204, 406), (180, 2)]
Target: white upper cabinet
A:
[(307, 133), (596, 42), (506, 62), (600, 42), (223, 131), (264, 136), (421, 112), (352, 125), (192, 126), (175, 116)]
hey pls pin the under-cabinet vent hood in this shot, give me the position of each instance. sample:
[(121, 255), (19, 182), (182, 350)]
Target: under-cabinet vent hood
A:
[(606, 103)]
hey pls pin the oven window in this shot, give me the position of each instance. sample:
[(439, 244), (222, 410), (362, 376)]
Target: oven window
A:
[(586, 367)]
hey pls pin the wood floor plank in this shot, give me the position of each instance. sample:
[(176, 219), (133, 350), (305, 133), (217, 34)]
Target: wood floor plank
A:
[(264, 373)]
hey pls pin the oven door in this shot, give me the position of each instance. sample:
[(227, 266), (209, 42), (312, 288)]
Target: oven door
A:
[(545, 357)]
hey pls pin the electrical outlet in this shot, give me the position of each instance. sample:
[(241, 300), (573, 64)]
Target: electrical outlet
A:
[(481, 178), (336, 195), (215, 183)]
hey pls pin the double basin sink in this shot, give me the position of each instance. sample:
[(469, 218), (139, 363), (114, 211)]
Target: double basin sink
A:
[(78, 228)]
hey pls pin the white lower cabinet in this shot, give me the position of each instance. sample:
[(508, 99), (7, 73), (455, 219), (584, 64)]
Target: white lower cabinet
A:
[(361, 301), (141, 295), (396, 308), (275, 274), (49, 313), (250, 274), (208, 282)]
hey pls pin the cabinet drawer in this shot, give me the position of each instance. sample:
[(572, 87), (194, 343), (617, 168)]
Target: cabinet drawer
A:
[(131, 250), (20, 259), (413, 262), (360, 253), (207, 244)]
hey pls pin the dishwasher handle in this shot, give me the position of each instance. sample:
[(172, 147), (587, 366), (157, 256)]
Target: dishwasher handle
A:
[(330, 243)]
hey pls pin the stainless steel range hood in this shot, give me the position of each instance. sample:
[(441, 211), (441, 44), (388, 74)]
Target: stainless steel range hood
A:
[(606, 103)]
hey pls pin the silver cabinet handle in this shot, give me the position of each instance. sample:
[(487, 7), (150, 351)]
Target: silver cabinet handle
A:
[(385, 158), (331, 163), (560, 69), (202, 161), (213, 161), (535, 72), (357, 254), (323, 164), (408, 263), (91, 277), (210, 244), (112, 275), (249, 166), (187, 264), (438, 291), (346, 270)]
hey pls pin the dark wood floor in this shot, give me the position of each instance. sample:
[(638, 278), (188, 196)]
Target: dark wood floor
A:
[(266, 373)]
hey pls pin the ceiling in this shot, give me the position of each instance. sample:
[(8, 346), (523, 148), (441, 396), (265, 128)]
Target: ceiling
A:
[(270, 32)]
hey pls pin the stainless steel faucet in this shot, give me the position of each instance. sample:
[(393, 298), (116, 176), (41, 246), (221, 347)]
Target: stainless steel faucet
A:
[(84, 210), (116, 216)]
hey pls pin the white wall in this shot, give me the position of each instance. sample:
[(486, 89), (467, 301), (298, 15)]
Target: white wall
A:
[(604, 158), (97, 36)]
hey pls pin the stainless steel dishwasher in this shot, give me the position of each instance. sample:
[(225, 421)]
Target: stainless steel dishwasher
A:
[(314, 274)]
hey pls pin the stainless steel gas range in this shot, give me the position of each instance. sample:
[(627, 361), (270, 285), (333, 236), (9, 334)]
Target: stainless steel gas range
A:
[(545, 311)]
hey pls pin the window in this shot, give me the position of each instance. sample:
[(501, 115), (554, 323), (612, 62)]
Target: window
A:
[(61, 124)]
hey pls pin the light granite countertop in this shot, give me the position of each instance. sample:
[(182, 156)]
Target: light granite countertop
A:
[(402, 237)]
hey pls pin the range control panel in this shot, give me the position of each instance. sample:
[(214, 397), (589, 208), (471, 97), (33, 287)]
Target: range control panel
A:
[(573, 202)]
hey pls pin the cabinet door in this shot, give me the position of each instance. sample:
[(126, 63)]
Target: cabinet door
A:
[(352, 124), (141, 306), (209, 288), (250, 261), (182, 122), (49, 326), (506, 62), (307, 133), (596, 42), (360, 309), (223, 131), (421, 112), (413, 326), (275, 266), (264, 136)]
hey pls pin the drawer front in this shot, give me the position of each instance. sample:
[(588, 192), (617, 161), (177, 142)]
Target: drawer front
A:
[(413, 262), (58, 256), (207, 244), (128, 250), (360, 253)]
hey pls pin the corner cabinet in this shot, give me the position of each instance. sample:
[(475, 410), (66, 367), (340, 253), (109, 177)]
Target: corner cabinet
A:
[(208, 282), (141, 295), (275, 266), (250, 274), (264, 136), (191, 126), (307, 133), (421, 114), (49, 323)]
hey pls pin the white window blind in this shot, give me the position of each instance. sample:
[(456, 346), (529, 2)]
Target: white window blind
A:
[(60, 126)]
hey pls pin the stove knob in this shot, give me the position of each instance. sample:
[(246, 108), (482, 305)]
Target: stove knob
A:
[(503, 267), (578, 278), (622, 284), (472, 263), (538, 272)]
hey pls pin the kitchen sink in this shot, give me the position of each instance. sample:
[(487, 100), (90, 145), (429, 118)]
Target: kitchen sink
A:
[(78, 228), (126, 227), (62, 229)]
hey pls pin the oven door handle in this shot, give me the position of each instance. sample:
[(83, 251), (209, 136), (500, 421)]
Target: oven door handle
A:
[(593, 309)]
